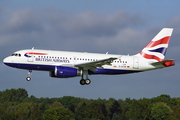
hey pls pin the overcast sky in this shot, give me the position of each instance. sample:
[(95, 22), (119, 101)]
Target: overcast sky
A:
[(97, 26)]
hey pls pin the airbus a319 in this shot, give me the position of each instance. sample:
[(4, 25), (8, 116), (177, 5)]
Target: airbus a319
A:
[(64, 64)]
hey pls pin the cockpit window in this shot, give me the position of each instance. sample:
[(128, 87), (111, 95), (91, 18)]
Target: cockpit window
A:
[(16, 54)]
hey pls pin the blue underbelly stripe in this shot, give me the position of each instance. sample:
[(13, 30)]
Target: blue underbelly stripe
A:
[(52, 67), (32, 66)]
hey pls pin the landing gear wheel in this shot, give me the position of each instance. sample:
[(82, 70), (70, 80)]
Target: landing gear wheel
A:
[(88, 81), (82, 82), (28, 78)]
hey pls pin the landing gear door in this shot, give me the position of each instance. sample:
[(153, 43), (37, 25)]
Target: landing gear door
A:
[(135, 63)]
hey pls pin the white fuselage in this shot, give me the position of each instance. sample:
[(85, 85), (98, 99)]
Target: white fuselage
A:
[(47, 60)]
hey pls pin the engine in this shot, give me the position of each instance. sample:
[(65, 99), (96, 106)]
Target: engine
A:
[(65, 72)]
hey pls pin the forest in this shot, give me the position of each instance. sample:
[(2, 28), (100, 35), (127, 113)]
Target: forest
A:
[(15, 104)]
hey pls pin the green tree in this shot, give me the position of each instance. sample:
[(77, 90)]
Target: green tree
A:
[(80, 103), (115, 117), (124, 107), (94, 110), (160, 111), (58, 113), (33, 99), (165, 99), (13, 95), (35, 113), (175, 115), (20, 111), (115, 108), (45, 104), (102, 103), (80, 111), (70, 102), (104, 110), (11, 110), (56, 104), (4, 115), (139, 109)]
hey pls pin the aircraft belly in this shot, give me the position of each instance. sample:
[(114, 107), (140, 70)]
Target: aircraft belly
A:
[(112, 71)]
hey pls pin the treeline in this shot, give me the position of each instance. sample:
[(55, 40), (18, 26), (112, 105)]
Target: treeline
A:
[(16, 105)]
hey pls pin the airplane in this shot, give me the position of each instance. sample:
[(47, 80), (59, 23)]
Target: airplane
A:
[(65, 64)]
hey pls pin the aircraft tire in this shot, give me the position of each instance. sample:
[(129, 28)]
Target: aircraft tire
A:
[(28, 78), (82, 82), (88, 81)]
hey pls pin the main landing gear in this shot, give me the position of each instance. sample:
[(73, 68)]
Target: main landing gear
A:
[(29, 75), (86, 81), (83, 82)]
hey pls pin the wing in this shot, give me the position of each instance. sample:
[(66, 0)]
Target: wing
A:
[(93, 65)]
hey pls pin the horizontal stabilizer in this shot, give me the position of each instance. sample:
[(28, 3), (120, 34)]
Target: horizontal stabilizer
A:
[(165, 63)]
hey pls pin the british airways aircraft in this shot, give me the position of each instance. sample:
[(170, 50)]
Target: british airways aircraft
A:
[(63, 64)]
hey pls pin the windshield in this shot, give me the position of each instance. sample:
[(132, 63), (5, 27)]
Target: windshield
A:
[(16, 54)]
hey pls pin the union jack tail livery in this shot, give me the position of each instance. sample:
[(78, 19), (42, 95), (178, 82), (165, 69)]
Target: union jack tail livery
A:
[(156, 49)]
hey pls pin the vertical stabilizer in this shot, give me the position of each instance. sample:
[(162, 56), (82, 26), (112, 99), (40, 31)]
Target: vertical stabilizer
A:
[(156, 49)]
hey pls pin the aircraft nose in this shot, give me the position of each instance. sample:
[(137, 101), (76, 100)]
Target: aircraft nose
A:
[(6, 60), (10, 62)]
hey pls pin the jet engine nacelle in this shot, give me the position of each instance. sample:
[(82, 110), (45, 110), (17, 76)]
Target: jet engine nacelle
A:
[(65, 72)]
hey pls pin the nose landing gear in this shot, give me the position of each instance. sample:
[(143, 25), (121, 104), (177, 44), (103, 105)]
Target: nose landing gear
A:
[(29, 75)]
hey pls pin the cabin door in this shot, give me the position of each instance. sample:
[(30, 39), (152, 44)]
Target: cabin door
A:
[(135, 63), (30, 55)]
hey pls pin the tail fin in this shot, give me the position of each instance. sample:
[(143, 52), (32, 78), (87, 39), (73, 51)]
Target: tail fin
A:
[(156, 49)]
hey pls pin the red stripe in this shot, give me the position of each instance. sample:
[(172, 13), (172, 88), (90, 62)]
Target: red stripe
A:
[(150, 56), (164, 40), (33, 53)]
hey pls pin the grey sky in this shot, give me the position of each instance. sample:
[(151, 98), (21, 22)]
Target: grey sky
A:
[(98, 26)]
